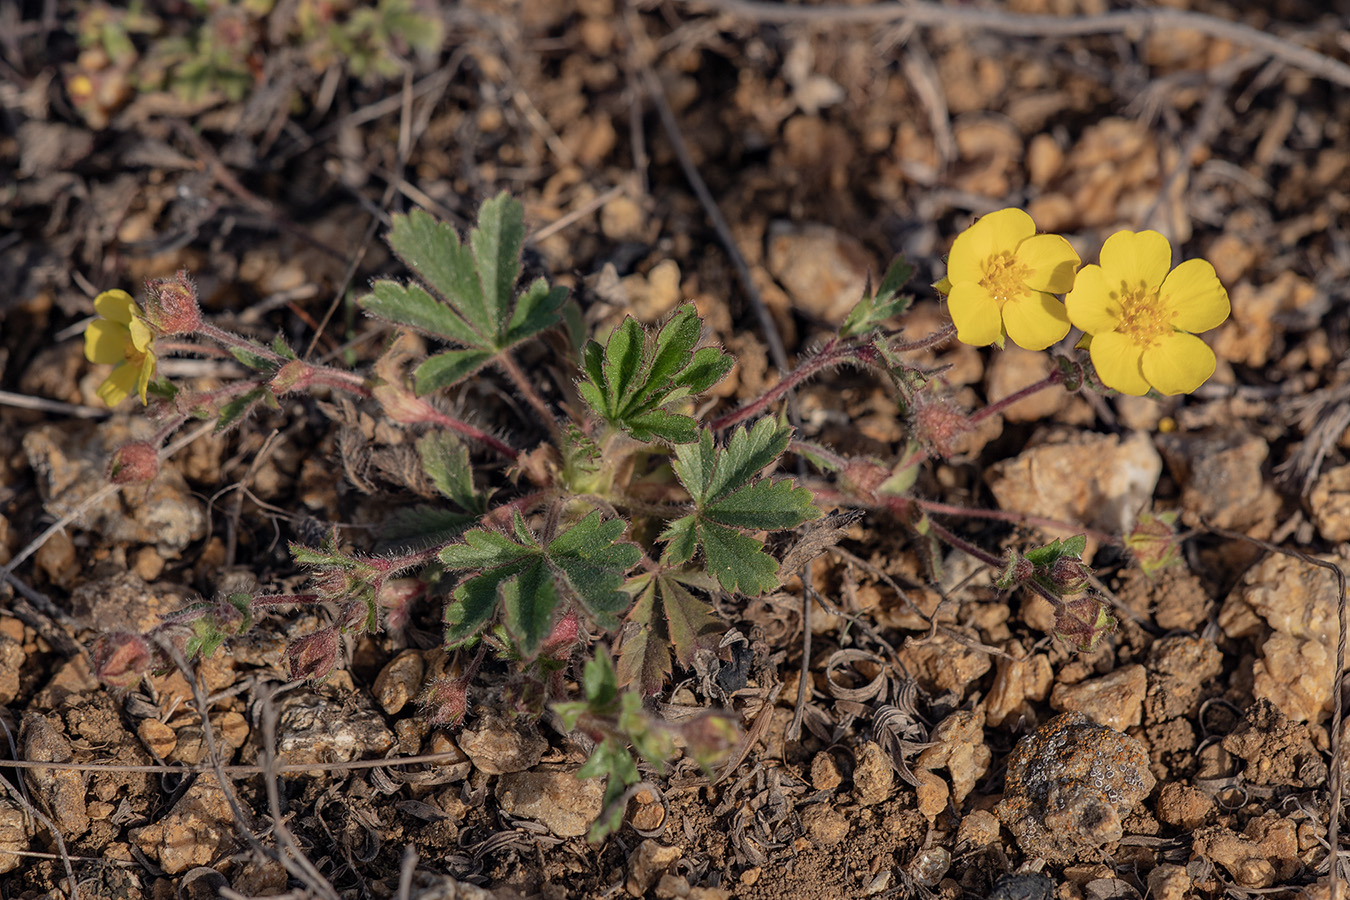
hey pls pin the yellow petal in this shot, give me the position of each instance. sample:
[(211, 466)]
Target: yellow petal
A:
[(1178, 363), (1035, 321), (105, 342), (1195, 297), (1052, 261), (1090, 304), (141, 335), (975, 313), (119, 385), (1116, 358), (1137, 255), (998, 232), (145, 376), (116, 305)]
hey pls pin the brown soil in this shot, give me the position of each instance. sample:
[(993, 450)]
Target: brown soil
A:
[(829, 147)]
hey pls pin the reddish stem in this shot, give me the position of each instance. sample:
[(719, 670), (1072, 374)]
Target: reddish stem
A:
[(832, 353), (1055, 377), (436, 417)]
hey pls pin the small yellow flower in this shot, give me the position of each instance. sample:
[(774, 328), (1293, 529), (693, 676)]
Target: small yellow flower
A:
[(1142, 318), (123, 338), (1001, 278)]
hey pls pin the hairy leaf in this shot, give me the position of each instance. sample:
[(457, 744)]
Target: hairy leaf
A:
[(445, 460), (667, 616), (872, 310), (445, 369)]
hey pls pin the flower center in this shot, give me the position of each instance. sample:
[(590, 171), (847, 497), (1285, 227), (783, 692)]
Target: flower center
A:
[(1005, 278), (1143, 318)]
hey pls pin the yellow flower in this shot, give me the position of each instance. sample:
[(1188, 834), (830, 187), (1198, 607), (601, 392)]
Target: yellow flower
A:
[(1001, 278), (1142, 319), (121, 337)]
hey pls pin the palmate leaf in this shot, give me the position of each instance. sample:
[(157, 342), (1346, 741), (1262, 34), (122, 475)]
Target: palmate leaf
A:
[(666, 615), (528, 580), (632, 380), (729, 495), (466, 295)]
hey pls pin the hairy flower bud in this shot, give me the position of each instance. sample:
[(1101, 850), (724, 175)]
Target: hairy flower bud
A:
[(396, 597), (445, 701), (134, 463), (121, 658), (1069, 575), (171, 304), (313, 656), (938, 424), (1083, 622), (560, 641)]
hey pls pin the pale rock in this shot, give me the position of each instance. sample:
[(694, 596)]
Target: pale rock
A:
[(824, 773), (11, 661), (959, 747), (978, 828), (823, 270), (498, 747), (313, 729), (399, 681), (199, 829), (1016, 368), (14, 835), (1330, 504), (563, 803), (652, 296), (1167, 881), (647, 863), (622, 219), (1083, 479), (60, 793), (1221, 479), (1016, 682), (873, 776), (1178, 668), (1115, 700), (825, 824), (123, 602), (931, 794), (942, 663)]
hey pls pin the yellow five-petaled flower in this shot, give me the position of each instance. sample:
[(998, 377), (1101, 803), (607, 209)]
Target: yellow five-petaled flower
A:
[(1142, 318), (1001, 278), (123, 338)]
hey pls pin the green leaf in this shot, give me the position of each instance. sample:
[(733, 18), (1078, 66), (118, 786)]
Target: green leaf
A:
[(422, 525), (729, 494), (242, 405), (412, 307), (497, 242), (666, 615), (584, 564), (256, 361), (872, 311), (636, 376), (432, 250), (537, 310), (445, 460), (1044, 557), (445, 369)]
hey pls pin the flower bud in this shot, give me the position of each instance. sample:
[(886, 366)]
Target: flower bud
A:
[(295, 375), (938, 424), (1069, 575), (445, 701), (121, 658), (134, 463), (1083, 622), (171, 304), (313, 656), (396, 597), (560, 641)]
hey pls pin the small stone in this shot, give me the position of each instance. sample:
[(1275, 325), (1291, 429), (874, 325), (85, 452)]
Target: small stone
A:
[(1221, 478), (1178, 668), (1169, 882), (824, 773), (622, 219), (158, 738), (929, 866), (750, 877), (978, 828), (231, 728), (1016, 368), (932, 794), (1330, 504), (458, 765), (823, 270), (1183, 806), (826, 825), (14, 835), (199, 829), (560, 801), (672, 887), (873, 776), (1070, 785), (942, 664), (498, 747), (11, 661), (399, 681), (1017, 681), (647, 863), (1115, 700), (190, 746), (959, 747), (60, 793), (652, 296), (646, 813), (316, 730)]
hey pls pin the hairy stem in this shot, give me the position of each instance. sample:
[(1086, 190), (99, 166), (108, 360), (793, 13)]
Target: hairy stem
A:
[(513, 371), (1054, 378)]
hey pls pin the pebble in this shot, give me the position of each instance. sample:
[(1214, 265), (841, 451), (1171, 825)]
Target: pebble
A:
[(1330, 504), (1098, 480), (646, 813), (824, 773), (70, 460), (1017, 681), (399, 681), (943, 664), (314, 729), (826, 825), (60, 793), (1167, 881), (960, 748), (652, 296), (122, 602), (498, 747), (647, 863), (1183, 806), (1070, 785), (1298, 602), (199, 829), (978, 828), (1115, 700), (1178, 668), (873, 776), (158, 738), (622, 219), (560, 801), (455, 767), (11, 661), (1015, 368), (1221, 479), (823, 270), (14, 835)]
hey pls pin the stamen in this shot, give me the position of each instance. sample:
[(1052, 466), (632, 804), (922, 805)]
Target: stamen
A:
[(1143, 318), (1005, 277)]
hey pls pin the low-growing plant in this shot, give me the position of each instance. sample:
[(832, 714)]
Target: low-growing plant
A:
[(628, 511)]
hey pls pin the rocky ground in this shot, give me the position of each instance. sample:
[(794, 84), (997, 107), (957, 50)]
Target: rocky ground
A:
[(946, 745)]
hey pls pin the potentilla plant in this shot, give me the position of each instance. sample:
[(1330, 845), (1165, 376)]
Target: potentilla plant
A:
[(631, 513)]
